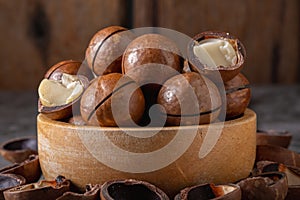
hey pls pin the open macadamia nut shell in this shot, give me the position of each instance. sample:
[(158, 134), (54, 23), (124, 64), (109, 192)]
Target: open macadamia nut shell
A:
[(55, 73), (273, 137), (292, 173), (226, 72), (8, 181), (91, 193), (131, 189), (277, 154), (210, 191), (19, 149), (29, 169), (46, 189), (272, 185), (66, 66), (105, 50)]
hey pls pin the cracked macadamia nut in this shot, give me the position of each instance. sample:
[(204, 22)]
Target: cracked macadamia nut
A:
[(112, 100), (60, 92), (60, 89), (213, 52), (189, 99), (105, 50)]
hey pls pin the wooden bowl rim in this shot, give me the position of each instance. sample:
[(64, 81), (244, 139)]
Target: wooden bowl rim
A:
[(249, 115)]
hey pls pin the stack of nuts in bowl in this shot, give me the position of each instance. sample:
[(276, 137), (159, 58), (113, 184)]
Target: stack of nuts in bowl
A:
[(124, 75), (125, 78)]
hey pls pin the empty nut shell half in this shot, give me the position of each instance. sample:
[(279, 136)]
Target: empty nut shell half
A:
[(47, 190), (273, 137), (267, 186), (92, 193), (131, 189), (109, 93), (29, 169), (105, 50), (19, 149), (216, 52), (210, 191), (292, 173), (8, 181), (189, 99), (238, 95), (277, 154)]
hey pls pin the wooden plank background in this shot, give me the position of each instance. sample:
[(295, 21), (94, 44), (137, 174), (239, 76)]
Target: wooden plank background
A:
[(36, 34)]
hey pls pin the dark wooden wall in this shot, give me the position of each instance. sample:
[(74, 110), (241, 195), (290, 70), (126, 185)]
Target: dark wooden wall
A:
[(36, 34)]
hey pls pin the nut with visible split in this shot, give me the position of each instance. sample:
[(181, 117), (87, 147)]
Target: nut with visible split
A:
[(210, 191), (109, 93), (213, 52), (131, 189), (58, 94), (238, 95), (54, 93), (189, 99), (105, 50)]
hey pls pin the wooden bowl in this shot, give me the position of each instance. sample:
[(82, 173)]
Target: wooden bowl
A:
[(171, 158)]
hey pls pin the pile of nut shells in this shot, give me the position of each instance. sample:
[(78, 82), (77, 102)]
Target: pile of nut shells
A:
[(275, 175), (125, 75)]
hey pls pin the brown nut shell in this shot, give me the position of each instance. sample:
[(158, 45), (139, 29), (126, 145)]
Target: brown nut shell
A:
[(105, 50), (273, 137), (131, 189), (271, 185), (112, 90), (8, 181), (238, 95), (63, 111), (151, 59), (277, 154), (92, 193), (48, 190), (226, 72), (292, 173), (181, 92), (210, 191), (67, 66), (18, 150), (29, 169)]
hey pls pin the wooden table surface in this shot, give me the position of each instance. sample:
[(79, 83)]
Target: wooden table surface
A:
[(277, 107)]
